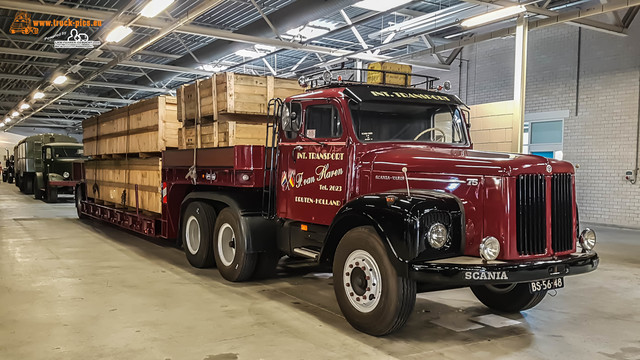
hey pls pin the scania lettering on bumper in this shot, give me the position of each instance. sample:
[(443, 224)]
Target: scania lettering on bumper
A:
[(464, 270)]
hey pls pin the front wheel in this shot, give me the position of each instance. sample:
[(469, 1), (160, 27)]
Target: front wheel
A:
[(51, 194), (508, 298), (37, 192), (373, 297)]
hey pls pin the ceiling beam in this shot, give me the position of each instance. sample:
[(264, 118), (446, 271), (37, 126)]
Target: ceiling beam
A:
[(613, 5), (109, 84), (102, 60), (73, 96)]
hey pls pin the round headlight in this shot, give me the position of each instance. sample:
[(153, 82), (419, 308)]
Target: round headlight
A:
[(437, 235), (65, 174), (588, 239), (489, 248)]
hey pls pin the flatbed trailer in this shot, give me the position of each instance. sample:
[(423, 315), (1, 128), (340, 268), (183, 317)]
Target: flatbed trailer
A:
[(384, 184)]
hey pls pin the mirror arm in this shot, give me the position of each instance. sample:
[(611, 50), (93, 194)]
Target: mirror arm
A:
[(304, 136)]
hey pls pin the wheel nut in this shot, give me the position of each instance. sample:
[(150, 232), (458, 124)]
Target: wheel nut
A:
[(357, 299), (368, 278), (350, 266), (348, 284), (364, 268), (347, 273), (357, 263), (350, 294), (368, 289)]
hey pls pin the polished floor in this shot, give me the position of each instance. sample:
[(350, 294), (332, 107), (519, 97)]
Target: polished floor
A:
[(72, 289)]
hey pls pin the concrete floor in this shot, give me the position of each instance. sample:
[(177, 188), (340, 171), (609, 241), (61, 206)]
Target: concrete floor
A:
[(72, 289)]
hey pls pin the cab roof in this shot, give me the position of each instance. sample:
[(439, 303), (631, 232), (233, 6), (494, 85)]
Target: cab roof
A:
[(364, 92)]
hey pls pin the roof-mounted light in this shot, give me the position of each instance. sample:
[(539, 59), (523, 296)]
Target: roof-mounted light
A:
[(492, 16), (59, 80), (38, 95), (155, 7), (119, 33)]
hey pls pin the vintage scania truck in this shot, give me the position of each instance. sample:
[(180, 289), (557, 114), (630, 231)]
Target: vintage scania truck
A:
[(43, 165), (383, 183)]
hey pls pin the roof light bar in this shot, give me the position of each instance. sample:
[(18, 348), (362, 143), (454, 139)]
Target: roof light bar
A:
[(492, 16)]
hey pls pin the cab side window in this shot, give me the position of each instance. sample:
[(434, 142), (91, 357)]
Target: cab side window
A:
[(322, 122), (48, 153)]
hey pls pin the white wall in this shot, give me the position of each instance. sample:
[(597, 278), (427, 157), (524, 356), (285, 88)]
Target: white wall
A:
[(7, 142)]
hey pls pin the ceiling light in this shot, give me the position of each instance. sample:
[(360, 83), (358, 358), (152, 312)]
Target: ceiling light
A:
[(6, 120), (500, 14), (248, 53), (265, 48), (118, 34), (60, 80), (213, 68), (1, 124), (38, 95), (14, 114), (377, 5), (24, 106), (155, 7)]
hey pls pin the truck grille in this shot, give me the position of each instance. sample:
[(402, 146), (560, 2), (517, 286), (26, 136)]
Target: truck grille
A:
[(531, 217), (561, 212)]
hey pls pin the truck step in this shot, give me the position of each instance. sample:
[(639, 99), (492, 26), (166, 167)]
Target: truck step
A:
[(312, 254)]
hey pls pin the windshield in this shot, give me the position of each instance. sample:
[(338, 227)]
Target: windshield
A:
[(67, 152), (388, 121)]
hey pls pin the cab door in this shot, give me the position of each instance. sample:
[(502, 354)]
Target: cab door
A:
[(314, 165)]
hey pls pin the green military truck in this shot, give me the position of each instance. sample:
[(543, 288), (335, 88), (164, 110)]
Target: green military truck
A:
[(44, 165)]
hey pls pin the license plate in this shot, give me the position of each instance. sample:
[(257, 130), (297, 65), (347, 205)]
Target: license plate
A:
[(544, 285)]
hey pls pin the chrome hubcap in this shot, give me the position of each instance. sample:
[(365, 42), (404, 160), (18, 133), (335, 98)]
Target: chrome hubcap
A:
[(226, 244), (192, 234), (362, 281)]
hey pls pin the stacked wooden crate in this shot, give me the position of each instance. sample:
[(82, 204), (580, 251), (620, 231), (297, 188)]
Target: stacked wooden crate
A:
[(125, 145), (228, 109)]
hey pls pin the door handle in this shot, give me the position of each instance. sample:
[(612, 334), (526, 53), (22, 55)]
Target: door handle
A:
[(293, 152)]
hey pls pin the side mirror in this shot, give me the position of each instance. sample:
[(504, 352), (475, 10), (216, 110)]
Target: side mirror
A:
[(467, 117), (296, 124)]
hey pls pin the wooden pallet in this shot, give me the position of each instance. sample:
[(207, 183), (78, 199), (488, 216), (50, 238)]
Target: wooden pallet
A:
[(114, 181), (148, 126), (231, 93)]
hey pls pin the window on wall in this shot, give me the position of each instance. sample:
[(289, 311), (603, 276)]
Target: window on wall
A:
[(543, 134)]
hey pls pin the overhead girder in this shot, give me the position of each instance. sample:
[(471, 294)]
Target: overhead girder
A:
[(91, 83)]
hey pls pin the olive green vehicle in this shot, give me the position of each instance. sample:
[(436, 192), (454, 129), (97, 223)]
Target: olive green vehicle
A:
[(44, 165)]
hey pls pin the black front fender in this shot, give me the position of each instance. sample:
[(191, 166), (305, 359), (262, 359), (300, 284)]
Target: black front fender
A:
[(402, 222)]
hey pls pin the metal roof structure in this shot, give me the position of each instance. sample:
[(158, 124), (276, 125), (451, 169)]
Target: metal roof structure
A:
[(194, 39)]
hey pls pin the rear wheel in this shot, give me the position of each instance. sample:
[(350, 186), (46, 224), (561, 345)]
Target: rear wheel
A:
[(4, 176), (197, 224), (234, 263), (79, 196), (373, 297), (508, 298), (27, 187)]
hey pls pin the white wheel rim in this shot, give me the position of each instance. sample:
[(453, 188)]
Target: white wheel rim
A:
[(192, 233), (226, 244), (362, 281)]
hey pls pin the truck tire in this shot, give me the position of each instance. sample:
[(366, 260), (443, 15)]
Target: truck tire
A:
[(373, 297), (37, 192), (197, 234), (79, 196), (507, 298), (28, 185), (51, 194), (230, 245), (10, 178), (4, 177)]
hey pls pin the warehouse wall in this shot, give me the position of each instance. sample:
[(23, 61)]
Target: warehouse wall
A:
[(600, 133)]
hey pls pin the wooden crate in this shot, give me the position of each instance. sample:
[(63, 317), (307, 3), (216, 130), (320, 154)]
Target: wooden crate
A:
[(149, 126), (232, 133), (230, 93), (206, 136), (223, 133), (114, 181)]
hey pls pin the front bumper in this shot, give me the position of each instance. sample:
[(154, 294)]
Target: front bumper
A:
[(465, 270), (63, 183)]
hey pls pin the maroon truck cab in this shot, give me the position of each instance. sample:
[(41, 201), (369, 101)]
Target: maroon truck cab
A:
[(382, 183)]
